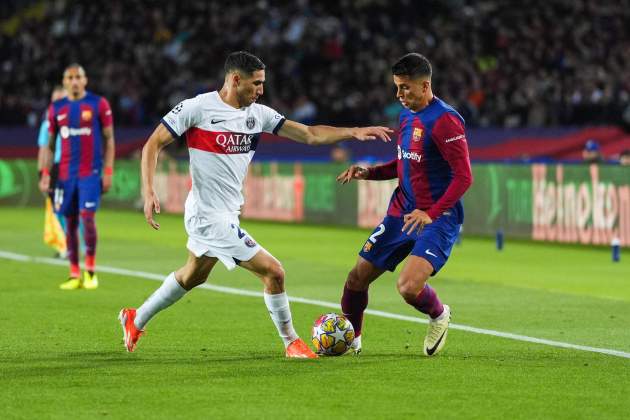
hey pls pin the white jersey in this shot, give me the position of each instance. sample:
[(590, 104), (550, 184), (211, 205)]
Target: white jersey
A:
[(221, 141)]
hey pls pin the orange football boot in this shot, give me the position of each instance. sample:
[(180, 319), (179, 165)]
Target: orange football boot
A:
[(298, 349), (131, 334)]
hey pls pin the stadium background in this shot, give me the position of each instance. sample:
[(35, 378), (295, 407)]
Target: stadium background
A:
[(535, 83)]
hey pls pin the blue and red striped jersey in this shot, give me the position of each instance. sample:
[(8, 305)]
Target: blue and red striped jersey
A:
[(80, 126), (433, 167)]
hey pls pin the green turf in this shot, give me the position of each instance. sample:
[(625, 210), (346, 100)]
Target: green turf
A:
[(215, 355)]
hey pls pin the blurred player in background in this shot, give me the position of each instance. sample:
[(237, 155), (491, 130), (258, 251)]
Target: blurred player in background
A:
[(84, 124), (222, 132), (54, 235), (425, 212)]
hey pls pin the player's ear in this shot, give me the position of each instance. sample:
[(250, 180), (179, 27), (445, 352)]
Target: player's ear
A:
[(236, 79)]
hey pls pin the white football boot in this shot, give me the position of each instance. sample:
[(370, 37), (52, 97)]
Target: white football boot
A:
[(437, 332), (355, 347)]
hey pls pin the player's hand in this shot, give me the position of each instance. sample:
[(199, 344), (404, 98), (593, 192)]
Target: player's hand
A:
[(44, 183), (372, 133), (417, 219), (353, 172), (151, 204), (107, 183)]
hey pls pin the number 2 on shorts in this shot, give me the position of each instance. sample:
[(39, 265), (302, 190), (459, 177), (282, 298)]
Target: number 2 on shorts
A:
[(380, 231)]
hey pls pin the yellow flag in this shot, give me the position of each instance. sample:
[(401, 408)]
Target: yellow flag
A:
[(54, 235)]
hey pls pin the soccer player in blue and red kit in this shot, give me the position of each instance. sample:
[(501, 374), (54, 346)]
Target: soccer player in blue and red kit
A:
[(84, 123), (425, 212)]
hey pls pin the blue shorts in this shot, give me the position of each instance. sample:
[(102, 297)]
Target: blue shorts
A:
[(76, 194), (388, 245)]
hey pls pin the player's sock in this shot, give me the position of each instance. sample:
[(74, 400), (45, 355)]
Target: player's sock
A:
[(353, 304), (89, 226), (90, 264), (427, 302), (278, 306), (72, 242), (168, 293)]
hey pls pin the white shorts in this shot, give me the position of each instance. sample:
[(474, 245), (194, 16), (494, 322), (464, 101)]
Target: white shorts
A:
[(221, 238)]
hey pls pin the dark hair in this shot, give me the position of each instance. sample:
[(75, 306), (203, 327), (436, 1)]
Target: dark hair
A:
[(625, 152), (412, 65), (244, 62)]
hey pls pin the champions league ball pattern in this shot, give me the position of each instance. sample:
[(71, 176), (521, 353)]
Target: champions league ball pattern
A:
[(332, 335)]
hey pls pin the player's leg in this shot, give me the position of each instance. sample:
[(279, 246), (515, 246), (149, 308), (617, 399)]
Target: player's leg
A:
[(89, 200), (59, 222), (266, 267), (87, 218), (66, 203), (384, 249), (413, 287), (430, 252), (174, 287), (354, 300)]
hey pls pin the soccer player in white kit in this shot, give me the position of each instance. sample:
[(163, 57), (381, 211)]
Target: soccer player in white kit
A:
[(222, 130)]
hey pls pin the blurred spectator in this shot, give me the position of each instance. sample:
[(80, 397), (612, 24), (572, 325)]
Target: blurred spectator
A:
[(591, 152), (501, 63), (624, 158), (340, 153), (304, 110)]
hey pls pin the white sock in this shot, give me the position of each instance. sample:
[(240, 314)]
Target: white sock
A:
[(356, 344), (168, 293), (278, 306)]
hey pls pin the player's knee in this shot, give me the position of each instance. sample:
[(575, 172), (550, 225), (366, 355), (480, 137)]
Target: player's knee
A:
[(409, 287), (275, 274)]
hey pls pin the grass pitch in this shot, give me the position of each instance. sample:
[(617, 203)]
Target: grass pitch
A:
[(215, 355)]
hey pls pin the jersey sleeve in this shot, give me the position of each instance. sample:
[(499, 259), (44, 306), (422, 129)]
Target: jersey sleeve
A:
[(449, 136), (42, 137), (105, 113), (383, 172), (184, 115), (272, 120), (52, 120)]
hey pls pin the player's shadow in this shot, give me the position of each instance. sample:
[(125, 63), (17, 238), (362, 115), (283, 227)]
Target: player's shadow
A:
[(66, 363)]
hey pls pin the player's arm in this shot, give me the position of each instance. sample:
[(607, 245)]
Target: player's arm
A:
[(382, 172), (110, 152), (42, 143), (324, 134), (159, 139), (450, 137), (47, 153), (107, 122), (186, 114)]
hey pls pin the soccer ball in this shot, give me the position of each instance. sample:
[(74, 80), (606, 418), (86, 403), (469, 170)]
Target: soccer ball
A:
[(332, 334)]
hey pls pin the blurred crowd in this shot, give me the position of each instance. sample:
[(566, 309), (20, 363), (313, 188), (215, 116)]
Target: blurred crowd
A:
[(500, 63)]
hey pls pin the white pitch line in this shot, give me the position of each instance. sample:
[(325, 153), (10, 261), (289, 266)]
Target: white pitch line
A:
[(382, 314)]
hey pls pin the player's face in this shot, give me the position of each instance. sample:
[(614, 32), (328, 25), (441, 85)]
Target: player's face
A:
[(412, 93), (250, 88), (74, 82)]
